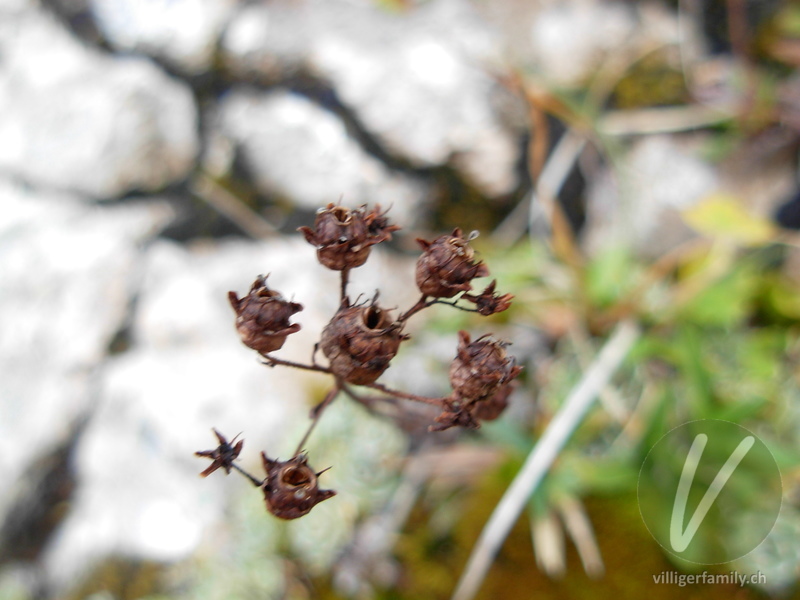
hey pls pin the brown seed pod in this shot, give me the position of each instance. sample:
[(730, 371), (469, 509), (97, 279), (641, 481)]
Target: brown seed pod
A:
[(489, 303), (469, 413), (480, 368), (344, 236), (291, 488), (262, 317), (447, 266), (488, 409), (455, 415), (360, 342), (223, 455)]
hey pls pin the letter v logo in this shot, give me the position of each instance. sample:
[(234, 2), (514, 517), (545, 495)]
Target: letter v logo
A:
[(679, 538), (686, 476)]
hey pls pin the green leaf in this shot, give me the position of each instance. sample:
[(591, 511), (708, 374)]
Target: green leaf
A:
[(723, 216), (609, 275), (725, 302)]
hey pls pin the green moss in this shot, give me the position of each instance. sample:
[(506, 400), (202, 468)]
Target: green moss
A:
[(651, 82)]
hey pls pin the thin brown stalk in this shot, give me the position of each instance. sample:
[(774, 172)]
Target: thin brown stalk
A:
[(253, 479), (316, 413), (407, 396), (421, 304), (271, 361)]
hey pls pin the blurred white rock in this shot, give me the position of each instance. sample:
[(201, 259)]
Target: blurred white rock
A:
[(565, 43), (297, 149), (8, 7), (73, 119), (186, 372), (183, 33), (417, 80), (66, 273), (571, 39), (638, 203)]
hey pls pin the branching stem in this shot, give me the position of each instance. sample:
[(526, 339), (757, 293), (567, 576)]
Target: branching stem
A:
[(424, 303), (254, 480), (421, 304), (407, 396), (271, 361), (343, 286), (316, 413), (454, 305)]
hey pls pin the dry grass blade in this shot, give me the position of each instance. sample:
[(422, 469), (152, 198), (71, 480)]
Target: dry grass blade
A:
[(549, 545), (672, 119), (542, 456), (231, 207), (549, 184), (579, 528)]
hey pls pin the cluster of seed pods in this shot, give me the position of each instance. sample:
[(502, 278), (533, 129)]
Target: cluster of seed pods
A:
[(361, 339)]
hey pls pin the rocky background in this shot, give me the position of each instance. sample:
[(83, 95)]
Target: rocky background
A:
[(155, 154)]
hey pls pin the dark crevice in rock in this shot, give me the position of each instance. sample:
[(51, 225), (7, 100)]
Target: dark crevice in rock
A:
[(41, 502), (77, 18), (326, 96), (122, 340), (196, 219)]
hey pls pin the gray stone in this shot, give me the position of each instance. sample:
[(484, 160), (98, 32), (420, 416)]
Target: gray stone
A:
[(417, 80), (298, 150), (571, 39), (66, 271), (567, 43), (183, 33), (9, 7), (639, 203), (186, 371), (75, 120)]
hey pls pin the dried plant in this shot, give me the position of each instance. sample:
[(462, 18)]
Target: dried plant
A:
[(361, 340)]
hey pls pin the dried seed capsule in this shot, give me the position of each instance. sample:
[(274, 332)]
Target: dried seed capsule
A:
[(455, 415), (468, 413), (492, 407), (262, 317), (489, 303), (223, 455), (360, 342), (344, 236), (447, 266), (291, 488), (480, 368)]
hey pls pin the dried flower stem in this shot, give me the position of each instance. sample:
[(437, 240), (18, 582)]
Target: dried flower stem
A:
[(407, 396), (345, 276), (254, 480), (422, 303), (454, 305), (366, 401), (271, 361), (316, 413), (360, 341)]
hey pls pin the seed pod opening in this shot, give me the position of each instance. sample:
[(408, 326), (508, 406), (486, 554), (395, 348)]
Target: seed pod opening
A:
[(291, 488), (360, 342)]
